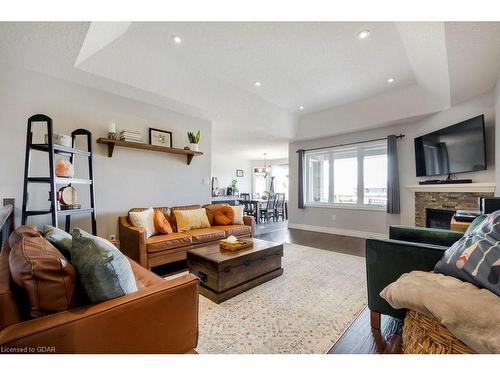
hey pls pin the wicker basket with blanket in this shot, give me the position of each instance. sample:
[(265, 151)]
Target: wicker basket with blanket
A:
[(423, 335)]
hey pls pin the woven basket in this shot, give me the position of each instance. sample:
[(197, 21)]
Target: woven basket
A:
[(423, 335)]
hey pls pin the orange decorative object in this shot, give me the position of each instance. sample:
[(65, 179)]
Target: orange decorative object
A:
[(224, 216), (161, 223), (64, 168)]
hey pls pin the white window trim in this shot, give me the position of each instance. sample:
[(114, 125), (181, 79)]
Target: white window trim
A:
[(345, 206)]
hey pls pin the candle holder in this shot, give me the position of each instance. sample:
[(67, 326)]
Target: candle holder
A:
[(111, 135)]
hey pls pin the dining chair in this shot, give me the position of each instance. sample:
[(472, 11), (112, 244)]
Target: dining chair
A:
[(279, 208), (267, 213)]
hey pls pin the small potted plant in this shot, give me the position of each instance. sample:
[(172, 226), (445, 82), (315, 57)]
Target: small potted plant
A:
[(234, 187), (194, 139)]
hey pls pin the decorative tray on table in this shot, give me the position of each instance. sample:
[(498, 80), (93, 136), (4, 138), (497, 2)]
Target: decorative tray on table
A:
[(235, 246)]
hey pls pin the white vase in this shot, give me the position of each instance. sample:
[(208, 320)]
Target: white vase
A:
[(193, 146)]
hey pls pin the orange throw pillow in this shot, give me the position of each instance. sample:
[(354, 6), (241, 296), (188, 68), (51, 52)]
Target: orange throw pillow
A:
[(161, 223), (224, 216)]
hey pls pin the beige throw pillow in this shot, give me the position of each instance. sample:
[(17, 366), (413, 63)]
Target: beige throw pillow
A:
[(144, 219), (191, 219), (238, 214)]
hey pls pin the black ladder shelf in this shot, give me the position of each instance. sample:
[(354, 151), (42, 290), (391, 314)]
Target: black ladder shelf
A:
[(53, 180)]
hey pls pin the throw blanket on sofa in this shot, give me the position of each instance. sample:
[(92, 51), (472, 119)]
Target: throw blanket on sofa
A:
[(470, 313)]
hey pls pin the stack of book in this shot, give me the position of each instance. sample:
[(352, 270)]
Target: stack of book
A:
[(131, 135)]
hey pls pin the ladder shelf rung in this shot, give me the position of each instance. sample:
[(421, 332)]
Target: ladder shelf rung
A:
[(76, 211), (60, 180), (58, 149)]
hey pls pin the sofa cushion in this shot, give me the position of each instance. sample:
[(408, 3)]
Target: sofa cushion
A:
[(238, 214), (104, 272), (143, 277), (171, 218), (144, 219), (161, 223), (212, 209), (476, 257), (163, 242), (9, 312), (60, 239), (206, 235), (44, 274), (235, 230), (16, 235), (223, 216), (191, 219)]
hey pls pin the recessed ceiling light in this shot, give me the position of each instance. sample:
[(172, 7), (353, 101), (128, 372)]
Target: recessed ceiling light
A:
[(257, 84), (301, 108), (391, 80), (177, 39), (363, 34)]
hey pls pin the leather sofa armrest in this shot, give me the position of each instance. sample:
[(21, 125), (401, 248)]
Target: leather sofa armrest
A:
[(250, 221), (442, 237), (387, 260), (133, 241), (159, 319)]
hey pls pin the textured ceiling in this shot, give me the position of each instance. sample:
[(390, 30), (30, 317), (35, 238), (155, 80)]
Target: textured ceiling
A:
[(322, 66)]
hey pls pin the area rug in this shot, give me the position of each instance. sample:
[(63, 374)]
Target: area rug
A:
[(305, 310)]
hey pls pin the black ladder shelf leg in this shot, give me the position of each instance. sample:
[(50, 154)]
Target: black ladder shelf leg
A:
[(52, 180)]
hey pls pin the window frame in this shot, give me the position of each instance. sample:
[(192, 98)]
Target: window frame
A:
[(360, 154)]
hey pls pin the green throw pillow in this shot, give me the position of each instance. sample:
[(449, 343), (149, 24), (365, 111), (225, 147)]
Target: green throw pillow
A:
[(104, 271), (60, 239)]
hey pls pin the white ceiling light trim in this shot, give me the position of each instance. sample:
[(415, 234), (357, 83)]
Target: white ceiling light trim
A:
[(363, 34), (177, 39), (257, 84), (391, 80)]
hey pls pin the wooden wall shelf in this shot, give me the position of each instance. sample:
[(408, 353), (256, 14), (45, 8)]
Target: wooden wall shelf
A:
[(144, 146)]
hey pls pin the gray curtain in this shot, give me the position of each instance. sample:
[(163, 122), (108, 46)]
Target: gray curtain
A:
[(393, 206), (300, 154)]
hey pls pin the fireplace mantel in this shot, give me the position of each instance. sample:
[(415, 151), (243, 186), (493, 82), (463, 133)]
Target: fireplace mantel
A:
[(475, 187)]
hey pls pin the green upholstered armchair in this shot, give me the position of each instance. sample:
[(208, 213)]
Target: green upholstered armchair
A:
[(407, 249)]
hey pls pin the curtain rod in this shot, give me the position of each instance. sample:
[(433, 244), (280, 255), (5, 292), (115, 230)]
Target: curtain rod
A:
[(401, 135)]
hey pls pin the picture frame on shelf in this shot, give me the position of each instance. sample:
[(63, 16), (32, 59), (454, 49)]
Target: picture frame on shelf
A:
[(239, 173), (158, 137)]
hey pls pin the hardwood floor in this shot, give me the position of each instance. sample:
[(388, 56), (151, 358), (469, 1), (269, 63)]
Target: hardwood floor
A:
[(360, 338)]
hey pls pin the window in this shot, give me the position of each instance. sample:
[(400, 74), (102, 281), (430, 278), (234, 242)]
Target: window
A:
[(353, 176)]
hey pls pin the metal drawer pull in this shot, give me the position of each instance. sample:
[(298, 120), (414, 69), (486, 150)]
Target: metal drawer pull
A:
[(263, 258), (247, 262), (203, 276)]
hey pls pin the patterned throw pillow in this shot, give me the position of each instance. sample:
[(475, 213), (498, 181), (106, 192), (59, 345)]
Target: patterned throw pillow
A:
[(476, 256), (104, 271), (144, 219)]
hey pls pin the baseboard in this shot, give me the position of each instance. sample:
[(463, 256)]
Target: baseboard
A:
[(338, 231)]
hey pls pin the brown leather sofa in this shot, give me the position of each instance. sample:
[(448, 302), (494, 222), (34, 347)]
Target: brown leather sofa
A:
[(161, 317), (168, 248)]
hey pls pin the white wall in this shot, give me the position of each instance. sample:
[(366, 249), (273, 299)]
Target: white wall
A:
[(378, 221), (131, 178), (224, 167)]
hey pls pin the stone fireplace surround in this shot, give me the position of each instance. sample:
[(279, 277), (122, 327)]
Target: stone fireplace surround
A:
[(448, 197), (445, 201)]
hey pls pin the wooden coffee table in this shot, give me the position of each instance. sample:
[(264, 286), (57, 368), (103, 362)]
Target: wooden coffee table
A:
[(225, 274)]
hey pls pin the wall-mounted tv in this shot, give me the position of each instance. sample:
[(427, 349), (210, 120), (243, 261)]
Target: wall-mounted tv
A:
[(455, 149)]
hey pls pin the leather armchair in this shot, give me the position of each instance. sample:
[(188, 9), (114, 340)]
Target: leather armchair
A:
[(407, 249)]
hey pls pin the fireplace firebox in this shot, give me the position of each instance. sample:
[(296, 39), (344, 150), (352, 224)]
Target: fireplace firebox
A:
[(438, 218)]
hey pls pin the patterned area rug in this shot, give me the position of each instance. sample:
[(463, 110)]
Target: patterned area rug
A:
[(305, 310)]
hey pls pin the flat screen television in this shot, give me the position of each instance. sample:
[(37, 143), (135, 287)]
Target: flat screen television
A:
[(455, 149)]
